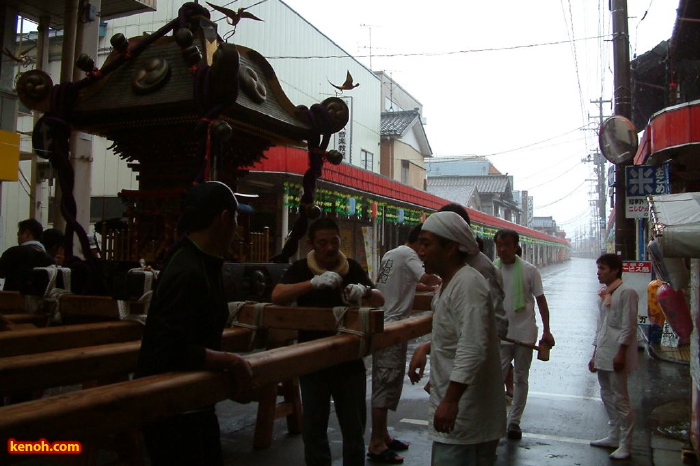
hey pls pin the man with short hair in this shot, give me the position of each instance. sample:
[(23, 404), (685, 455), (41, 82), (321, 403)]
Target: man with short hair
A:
[(326, 278), (17, 262), (467, 406), (400, 273), (523, 286), (52, 239), (185, 321), (615, 353)]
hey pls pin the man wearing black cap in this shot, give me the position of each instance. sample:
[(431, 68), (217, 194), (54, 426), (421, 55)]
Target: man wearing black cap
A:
[(185, 322)]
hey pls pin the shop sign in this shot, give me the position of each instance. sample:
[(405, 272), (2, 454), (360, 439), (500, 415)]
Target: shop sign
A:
[(642, 181)]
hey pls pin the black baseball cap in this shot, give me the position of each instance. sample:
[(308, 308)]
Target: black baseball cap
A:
[(203, 203)]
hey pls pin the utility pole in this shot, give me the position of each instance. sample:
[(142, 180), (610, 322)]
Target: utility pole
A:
[(624, 227), (599, 162)]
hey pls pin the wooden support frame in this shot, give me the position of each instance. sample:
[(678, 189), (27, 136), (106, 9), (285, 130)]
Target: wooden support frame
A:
[(40, 320), (20, 342), (77, 365), (269, 410), (422, 302), (27, 371), (81, 415), (11, 302), (309, 318)]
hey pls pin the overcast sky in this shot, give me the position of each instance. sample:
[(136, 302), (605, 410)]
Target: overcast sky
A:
[(490, 87)]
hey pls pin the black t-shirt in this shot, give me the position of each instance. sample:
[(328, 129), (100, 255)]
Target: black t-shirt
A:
[(325, 297), (187, 314), (17, 262)]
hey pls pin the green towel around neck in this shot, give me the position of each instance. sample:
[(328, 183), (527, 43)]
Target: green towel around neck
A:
[(518, 288)]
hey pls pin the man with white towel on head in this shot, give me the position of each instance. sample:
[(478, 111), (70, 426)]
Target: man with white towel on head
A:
[(467, 406)]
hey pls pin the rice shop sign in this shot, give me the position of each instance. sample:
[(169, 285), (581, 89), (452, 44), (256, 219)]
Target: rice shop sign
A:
[(642, 181), (343, 138)]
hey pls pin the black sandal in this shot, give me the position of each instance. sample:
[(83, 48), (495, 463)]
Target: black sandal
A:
[(386, 457), (398, 445)]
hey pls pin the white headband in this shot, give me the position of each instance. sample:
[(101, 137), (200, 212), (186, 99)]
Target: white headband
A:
[(451, 226)]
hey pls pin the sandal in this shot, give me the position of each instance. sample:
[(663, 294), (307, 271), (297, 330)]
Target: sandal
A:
[(385, 457), (398, 445)]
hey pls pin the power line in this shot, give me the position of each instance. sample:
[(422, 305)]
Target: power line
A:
[(433, 54), (561, 198), (556, 178), (636, 28), (535, 143), (543, 171), (577, 217), (572, 34)]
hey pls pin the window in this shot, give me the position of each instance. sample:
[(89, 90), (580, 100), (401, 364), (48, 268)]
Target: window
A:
[(405, 170), (366, 160)]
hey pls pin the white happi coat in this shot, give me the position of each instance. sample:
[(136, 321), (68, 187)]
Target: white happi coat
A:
[(617, 325), (465, 349)]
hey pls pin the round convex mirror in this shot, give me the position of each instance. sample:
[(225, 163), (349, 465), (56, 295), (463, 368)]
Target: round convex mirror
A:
[(618, 139)]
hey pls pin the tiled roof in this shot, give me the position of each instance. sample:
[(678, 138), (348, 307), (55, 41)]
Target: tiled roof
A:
[(461, 166), (459, 194), (484, 184), (543, 222), (395, 123)]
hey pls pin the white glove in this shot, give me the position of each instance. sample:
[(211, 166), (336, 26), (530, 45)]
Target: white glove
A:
[(354, 293), (327, 279)]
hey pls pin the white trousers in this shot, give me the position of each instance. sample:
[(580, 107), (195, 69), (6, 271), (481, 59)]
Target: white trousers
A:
[(521, 358), (613, 391)]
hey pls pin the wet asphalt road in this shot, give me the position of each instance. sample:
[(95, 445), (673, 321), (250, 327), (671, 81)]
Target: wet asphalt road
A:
[(564, 410)]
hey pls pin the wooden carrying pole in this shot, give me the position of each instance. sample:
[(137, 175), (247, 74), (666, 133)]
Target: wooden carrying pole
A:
[(118, 407), (15, 343), (19, 342), (77, 365)]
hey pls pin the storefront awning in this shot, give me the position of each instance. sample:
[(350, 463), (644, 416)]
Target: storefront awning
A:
[(294, 161), (672, 133), (676, 223)]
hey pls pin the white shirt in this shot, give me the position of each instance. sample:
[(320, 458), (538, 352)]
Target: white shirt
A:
[(490, 272), (617, 325), (401, 270), (465, 349), (522, 325)]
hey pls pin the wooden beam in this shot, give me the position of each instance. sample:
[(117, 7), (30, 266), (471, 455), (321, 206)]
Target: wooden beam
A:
[(11, 302), (422, 301), (74, 336), (309, 318), (118, 407), (40, 320), (291, 361), (19, 342), (25, 371), (77, 365)]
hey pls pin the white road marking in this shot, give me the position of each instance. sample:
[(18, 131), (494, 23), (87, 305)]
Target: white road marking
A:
[(418, 422), (559, 395), (552, 438), (555, 438)]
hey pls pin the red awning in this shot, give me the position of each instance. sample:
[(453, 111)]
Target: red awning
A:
[(295, 161), (670, 132)]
